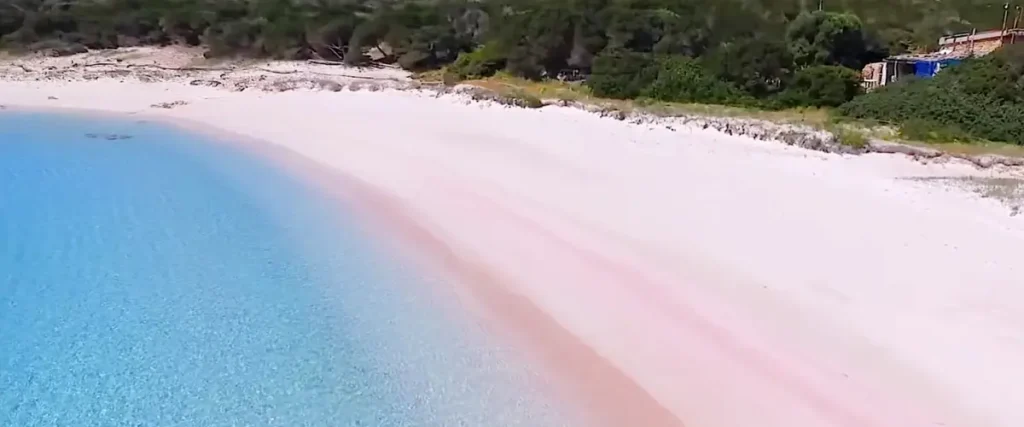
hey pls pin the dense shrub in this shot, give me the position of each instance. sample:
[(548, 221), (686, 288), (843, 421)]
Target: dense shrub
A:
[(682, 79), (1000, 75), (483, 62), (670, 78), (827, 38), (622, 74), (980, 99), (757, 66), (822, 86)]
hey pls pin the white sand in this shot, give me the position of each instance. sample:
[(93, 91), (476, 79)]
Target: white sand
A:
[(741, 283)]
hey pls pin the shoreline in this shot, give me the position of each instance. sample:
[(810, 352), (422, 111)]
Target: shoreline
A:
[(178, 64), (585, 379), (701, 265)]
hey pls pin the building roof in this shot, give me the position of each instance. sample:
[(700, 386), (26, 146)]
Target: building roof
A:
[(928, 57), (981, 35)]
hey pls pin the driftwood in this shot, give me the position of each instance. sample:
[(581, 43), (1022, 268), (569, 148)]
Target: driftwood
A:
[(325, 62)]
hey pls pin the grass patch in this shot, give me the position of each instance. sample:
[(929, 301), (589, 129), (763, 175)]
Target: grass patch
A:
[(432, 76), (815, 117), (850, 137), (504, 83), (974, 148), (928, 131)]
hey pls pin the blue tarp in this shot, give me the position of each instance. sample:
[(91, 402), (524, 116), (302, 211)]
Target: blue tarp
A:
[(930, 68)]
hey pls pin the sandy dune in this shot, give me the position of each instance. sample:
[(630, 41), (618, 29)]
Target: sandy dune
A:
[(730, 282)]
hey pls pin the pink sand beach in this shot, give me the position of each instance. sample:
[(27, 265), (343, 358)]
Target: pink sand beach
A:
[(667, 277)]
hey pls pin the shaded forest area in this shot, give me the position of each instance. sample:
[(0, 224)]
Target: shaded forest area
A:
[(753, 53)]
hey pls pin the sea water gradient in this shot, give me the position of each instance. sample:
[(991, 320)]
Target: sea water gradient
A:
[(170, 280)]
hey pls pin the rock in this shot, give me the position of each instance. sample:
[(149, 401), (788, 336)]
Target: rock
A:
[(331, 85), (613, 113), (169, 105), (209, 83), (879, 146), (986, 161), (71, 49)]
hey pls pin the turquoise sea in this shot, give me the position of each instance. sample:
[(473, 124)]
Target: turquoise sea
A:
[(151, 277)]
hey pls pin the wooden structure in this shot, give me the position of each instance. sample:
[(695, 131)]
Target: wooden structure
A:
[(980, 44), (952, 50)]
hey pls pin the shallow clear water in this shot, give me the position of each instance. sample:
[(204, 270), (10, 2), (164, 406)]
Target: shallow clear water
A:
[(164, 280)]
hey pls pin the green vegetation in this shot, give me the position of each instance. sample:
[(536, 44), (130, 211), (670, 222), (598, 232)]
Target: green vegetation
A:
[(850, 137), (681, 79), (622, 74), (821, 86), (979, 99), (741, 55), (485, 61)]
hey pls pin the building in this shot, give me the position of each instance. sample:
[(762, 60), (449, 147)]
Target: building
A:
[(896, 67), (979, 44), (952, 50)]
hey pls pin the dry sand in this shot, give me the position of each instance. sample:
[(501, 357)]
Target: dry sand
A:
[(670, 275)]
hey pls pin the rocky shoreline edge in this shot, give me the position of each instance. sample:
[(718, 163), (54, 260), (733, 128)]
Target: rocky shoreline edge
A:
[(319, 76)]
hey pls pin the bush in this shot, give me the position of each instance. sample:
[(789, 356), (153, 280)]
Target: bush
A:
[(522, 99), (979, 99), (757, 66), (483, 62), (850, 137), (683, 79), (622, 74), (931, 131), (821, 86), (1000, 75)]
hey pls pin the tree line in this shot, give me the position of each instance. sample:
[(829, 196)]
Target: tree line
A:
[(757, 53)]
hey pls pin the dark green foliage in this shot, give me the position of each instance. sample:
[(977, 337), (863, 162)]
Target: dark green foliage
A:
[(673, 78), (424, 36), (483, 62), (1000, 75), (536, 36), (981, 99), (822, 86), (825, 38), (682, 79), (622, 74), (757, 66)]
